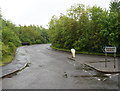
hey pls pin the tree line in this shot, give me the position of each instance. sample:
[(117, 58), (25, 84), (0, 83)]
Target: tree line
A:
[(87, 29), (13, 36)]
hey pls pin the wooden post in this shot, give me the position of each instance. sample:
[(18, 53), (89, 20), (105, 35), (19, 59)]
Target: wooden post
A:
[(114, 60), (110, 50), (105, 59)]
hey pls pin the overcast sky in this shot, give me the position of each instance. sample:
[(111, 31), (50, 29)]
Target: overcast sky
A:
[(39, 12)]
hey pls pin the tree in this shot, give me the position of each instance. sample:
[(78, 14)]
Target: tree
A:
[(86, 28)]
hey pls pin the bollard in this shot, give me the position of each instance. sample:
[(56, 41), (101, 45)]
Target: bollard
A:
[(73, 52)]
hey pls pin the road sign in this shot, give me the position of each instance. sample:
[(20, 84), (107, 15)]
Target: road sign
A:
[(110, 49)]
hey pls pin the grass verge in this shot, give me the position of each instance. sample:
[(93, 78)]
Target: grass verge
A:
[(6, 60), (92, 53)]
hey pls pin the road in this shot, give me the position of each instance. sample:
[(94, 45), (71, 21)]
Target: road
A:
[(47, 71)]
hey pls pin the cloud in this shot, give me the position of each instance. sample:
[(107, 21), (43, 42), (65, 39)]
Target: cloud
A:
[(39, 12)]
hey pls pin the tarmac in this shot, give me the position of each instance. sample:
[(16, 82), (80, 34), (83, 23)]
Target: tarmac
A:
[(108, 67), (19, 62)]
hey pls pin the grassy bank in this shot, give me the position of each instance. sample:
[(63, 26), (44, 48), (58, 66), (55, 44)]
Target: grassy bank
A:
[(91, 53), (6, 60)]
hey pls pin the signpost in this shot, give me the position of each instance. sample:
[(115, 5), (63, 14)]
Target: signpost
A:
[(110, 50)]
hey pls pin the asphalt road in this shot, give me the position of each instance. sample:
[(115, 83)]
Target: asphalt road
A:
[(47, 71)]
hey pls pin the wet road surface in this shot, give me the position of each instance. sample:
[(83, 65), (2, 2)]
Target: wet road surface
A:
[(51, 69)]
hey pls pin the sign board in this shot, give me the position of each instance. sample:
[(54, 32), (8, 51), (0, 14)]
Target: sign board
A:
[(110, 49)]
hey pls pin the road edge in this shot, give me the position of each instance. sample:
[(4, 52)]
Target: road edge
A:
[(26, 64), (98, 70)]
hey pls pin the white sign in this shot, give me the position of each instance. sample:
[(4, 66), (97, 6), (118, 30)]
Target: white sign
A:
[(110, 49)]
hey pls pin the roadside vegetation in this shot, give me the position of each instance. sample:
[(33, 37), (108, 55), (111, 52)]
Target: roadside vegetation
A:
[(13, 36), (87, 29)]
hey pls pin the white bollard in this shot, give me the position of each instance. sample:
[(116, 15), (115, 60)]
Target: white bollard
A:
[(73, 52)]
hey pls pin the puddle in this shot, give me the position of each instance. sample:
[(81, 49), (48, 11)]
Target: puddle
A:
[(88, 76), (95, 76), (40, 65), (91, 73)]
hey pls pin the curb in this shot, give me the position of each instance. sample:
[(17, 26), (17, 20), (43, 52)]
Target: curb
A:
[(25, 64), (98, 70), (102, 71), (3, 76)]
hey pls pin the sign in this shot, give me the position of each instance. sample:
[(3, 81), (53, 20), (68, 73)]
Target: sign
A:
[(110, 49)]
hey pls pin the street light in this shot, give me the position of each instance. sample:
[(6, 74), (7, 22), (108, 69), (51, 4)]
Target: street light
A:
[(73, 52)]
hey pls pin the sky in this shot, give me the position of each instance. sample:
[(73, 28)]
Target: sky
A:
[(39, 12)]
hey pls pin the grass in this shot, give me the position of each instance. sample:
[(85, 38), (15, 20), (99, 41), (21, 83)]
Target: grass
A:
[(92, 53), (6, 60), (60, 49)]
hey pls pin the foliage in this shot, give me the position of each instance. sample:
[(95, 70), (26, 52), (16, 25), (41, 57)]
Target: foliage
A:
[(12, 36), (32, 34), (87, 29)]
